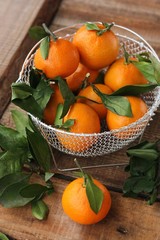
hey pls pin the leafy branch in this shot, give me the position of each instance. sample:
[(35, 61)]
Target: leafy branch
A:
[(144, 171), (24, 152)]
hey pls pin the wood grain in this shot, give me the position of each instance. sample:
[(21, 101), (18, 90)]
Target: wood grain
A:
[(128, 219), (15, 43)]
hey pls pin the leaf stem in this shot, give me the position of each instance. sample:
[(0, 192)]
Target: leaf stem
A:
[(54, 37)]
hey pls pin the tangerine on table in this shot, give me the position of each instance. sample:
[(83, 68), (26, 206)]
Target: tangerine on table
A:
[(51, 108), (76, 205), (89, 93), (121, 74), (115, 121), (63, 59), (86, 120), (96, 52), (75, 80)]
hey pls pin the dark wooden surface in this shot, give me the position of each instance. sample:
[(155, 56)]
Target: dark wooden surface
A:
[(133, 215)]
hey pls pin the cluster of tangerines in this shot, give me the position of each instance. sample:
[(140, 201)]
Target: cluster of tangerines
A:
[(94, 47)]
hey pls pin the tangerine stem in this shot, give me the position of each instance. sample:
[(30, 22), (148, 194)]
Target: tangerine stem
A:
[(49, 32), (126, 55), (83, 173)]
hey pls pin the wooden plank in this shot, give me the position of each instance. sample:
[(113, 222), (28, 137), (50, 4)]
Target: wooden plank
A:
[(15, 42), (128, 219)]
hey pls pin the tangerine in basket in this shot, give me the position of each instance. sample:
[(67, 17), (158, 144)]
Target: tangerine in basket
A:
[(115, 121), (121, 74), (98, 46), (62, 60), (51, 108), (75, 80), (86, 120), (92, 98), (76, 205)]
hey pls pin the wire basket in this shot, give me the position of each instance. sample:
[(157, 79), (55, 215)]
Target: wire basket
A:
[(107, 141)]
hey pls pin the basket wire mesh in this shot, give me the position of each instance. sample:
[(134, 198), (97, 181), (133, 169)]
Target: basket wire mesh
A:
[(91, 145)]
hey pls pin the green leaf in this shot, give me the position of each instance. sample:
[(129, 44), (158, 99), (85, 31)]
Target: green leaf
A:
[(117, 104), (92, 26), (67, 94), (11, 162), (147, 69), (11, 196), (134, 90), (21, 121), (67, 124), (138, 184), (99, 31), (33, 190), (21, 90), (139, 166), (153, 197), (40, 149), (156, 66), (44, 47), (48, 176), (10, 139), (3, 236), (40, 210), (34, 77), (11, 179), (58, 120), (37, 32), (147, 154), (94, 194), (42, 93)]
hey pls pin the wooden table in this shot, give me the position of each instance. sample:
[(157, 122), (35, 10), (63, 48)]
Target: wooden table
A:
[(130, 219)]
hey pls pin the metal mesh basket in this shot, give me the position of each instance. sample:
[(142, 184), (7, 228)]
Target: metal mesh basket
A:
[(106, 141)]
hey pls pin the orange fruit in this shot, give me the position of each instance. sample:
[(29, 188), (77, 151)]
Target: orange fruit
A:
[(121, 74), (114, 121), (75, 80), (86, 121), (62, 60), (76, 205), (89, 93), (96, 52), (51, 108)]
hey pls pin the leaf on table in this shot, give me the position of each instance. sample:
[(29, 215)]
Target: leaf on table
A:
[(11, 162), (3, 236), (34, 190), (21, 121), (40, 210), (39, 149), (10, 179)]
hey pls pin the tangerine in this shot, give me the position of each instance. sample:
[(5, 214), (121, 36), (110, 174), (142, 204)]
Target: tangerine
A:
[(96, 51), (92, 98), (115, 121), (62, 60), (76, 205), (121, 74), (75, 80), (86, 121), (51, 107)]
